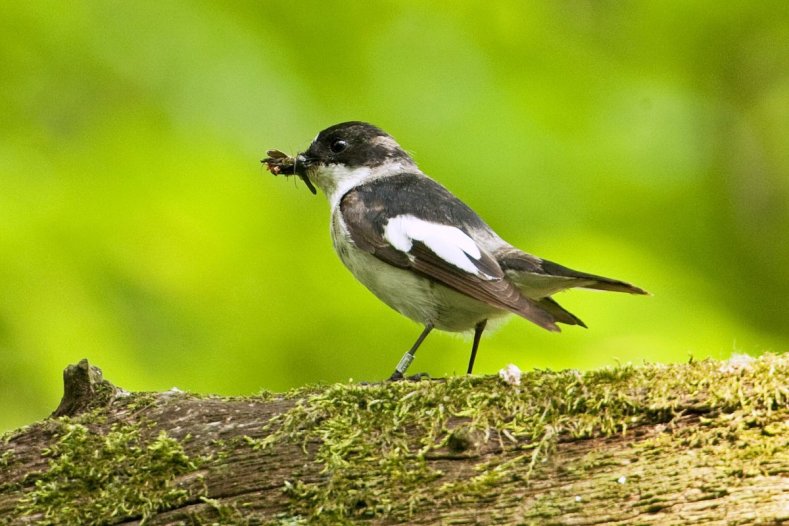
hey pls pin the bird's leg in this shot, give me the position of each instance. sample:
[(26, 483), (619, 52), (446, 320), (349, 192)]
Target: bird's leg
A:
[(478, 329), (408, 357)]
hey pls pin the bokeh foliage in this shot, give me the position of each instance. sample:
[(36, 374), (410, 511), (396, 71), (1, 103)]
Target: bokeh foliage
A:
[(642, 140)]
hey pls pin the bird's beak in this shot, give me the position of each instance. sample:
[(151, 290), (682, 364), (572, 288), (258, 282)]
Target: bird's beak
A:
[(300, 164)]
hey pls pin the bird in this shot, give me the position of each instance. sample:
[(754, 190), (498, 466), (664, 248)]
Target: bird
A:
[(421, 250)]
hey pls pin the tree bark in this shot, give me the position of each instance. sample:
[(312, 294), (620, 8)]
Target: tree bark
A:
[(697, 443)]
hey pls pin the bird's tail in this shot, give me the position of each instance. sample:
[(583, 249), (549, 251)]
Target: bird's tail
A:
[(539, 278), (590, 281)]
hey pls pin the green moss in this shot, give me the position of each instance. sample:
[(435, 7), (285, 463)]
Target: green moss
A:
[(122, 473), (225, 515), (139, 401), (372, 442), (7, 458)]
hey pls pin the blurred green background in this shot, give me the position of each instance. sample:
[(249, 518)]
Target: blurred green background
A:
[(642, 140)]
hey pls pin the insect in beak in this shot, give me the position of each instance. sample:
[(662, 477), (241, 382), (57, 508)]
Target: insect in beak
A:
[(279, 163)]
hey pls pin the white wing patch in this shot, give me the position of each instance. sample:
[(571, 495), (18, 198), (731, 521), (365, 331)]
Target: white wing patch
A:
[(448, 242)]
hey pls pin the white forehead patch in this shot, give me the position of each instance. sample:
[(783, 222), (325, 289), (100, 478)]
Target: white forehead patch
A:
[(448, 242)]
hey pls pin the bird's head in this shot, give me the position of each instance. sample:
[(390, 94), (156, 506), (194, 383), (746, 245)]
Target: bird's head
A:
[(345, 155)]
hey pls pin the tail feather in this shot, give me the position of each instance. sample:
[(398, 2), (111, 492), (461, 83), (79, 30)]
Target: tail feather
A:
[(595, 281), (561, 314), (538, 279), (615, 286)]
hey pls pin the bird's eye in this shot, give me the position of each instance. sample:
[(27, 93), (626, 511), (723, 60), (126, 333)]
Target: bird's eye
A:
[(338, 146)]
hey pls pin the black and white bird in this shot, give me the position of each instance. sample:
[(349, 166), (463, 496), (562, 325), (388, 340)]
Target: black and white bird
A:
[(420, 249)]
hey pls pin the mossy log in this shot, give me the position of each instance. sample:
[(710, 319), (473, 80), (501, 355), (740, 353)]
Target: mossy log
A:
[(696, 443)]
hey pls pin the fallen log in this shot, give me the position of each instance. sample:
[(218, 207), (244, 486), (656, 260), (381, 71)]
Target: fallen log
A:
[(700, 442)]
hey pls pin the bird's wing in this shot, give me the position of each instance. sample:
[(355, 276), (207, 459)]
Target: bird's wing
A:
[(431, 232)]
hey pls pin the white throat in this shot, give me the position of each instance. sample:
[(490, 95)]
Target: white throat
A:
[(335, 180)]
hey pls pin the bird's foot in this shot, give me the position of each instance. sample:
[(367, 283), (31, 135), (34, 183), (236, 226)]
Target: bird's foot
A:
[(398, 376)]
